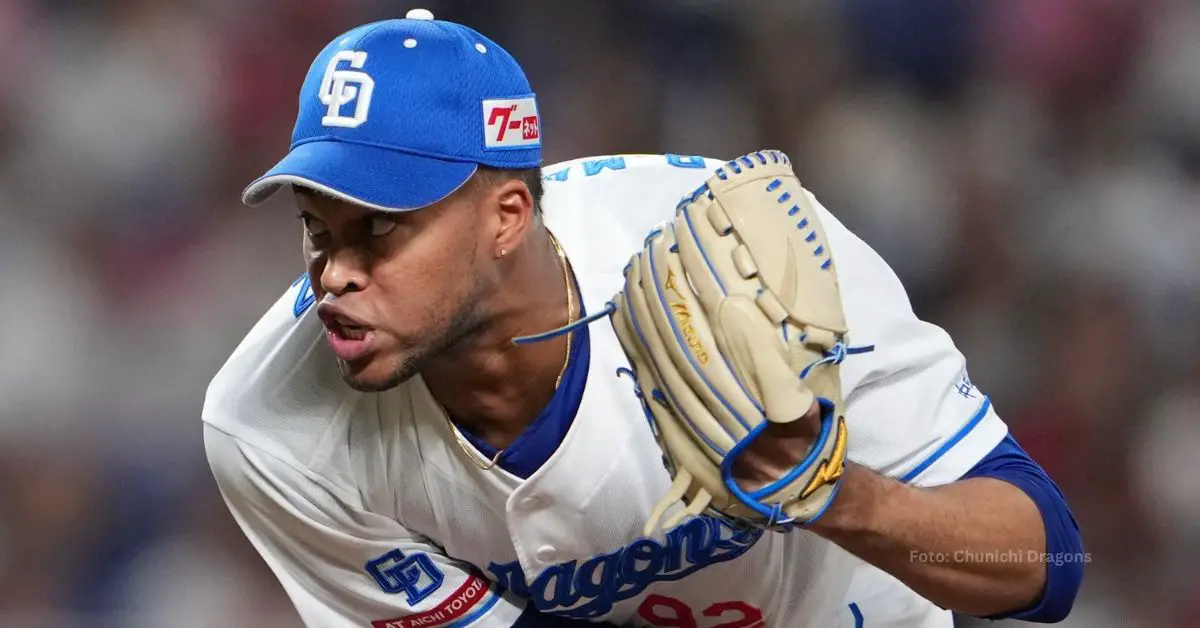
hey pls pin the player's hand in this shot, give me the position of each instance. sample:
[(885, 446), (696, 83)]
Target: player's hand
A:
[(780, 448)]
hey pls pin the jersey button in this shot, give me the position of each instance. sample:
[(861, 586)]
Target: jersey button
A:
[(531, 503), (546, 554)]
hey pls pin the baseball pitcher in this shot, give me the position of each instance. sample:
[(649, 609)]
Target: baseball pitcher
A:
[(639, 390)]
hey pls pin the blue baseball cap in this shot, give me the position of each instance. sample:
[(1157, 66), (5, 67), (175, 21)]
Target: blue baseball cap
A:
[(397, 115)]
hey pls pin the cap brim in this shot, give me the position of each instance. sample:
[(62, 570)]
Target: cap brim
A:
[(379, 178)]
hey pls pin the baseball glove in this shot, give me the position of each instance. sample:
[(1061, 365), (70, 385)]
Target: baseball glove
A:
[(732, 319)]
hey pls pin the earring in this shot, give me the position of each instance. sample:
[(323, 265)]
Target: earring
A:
[(503, 252)]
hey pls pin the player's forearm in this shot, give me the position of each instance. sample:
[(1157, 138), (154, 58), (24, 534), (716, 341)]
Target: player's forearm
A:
[(965, 546)]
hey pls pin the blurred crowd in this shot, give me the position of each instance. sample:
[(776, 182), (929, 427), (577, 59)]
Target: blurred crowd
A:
[(1030, 168)]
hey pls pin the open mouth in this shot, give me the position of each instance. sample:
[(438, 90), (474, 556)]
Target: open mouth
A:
[(349, 338), (347, 330)]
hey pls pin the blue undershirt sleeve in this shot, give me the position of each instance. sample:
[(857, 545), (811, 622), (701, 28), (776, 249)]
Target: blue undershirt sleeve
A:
[(1064, 556)]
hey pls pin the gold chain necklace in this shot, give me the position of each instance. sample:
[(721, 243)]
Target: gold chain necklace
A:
[(470, 451)]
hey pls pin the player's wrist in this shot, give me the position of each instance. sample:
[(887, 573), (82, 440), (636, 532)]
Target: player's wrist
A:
[(860, 497)]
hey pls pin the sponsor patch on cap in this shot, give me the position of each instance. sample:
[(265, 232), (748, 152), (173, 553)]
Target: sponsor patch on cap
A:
[(511, 123)]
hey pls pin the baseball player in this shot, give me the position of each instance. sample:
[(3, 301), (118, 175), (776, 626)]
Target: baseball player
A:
[(642, 390)]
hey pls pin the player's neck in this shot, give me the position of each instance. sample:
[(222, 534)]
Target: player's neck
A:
[(486, 383)]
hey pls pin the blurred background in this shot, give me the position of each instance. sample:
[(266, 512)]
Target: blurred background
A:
[(1031, 169)]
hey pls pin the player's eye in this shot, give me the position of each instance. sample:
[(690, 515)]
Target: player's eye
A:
[(313, 226), (381, 226)]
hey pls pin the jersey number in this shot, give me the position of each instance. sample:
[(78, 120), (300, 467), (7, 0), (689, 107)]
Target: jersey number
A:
[(669, 612)]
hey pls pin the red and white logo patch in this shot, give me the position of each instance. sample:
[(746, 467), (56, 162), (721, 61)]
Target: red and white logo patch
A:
[(511, 123), (457, 604)]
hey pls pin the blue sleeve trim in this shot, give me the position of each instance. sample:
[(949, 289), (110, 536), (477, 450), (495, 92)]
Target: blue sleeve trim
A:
[(954, 440), (858, 616), (476, 614), (1064, 555)]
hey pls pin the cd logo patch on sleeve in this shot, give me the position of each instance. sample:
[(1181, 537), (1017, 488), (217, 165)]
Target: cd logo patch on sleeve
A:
[(415, 576)]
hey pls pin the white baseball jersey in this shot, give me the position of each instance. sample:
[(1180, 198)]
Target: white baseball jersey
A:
[(370, 514)]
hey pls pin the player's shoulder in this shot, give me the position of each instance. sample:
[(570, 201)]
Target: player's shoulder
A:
[(623, 178), (278, 334), (280, 390), (609, 202), (584, 169)]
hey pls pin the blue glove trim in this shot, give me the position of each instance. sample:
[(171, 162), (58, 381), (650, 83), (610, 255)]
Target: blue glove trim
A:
[(751, 498)]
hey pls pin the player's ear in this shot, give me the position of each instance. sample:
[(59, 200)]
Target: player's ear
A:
[(513, 204)]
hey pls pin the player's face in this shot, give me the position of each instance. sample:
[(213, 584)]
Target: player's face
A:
[(393, 289)]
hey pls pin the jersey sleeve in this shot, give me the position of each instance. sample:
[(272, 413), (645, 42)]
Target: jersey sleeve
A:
[(913, 411), (341, 566)]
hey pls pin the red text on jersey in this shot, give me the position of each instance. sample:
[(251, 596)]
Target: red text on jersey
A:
[(457, 604)]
